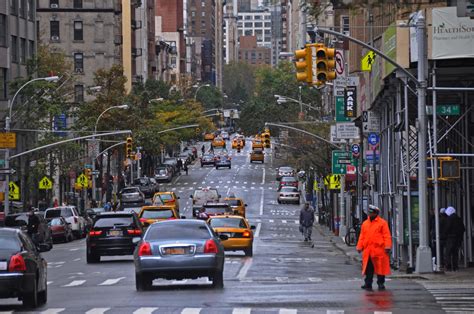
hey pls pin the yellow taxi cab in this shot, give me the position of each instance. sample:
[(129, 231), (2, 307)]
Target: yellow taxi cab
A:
[(153, 213), (209, 136), (257, 144), (218, 142), (167, 198), (257, 155), (236, 143), (237, 204), (238, 231)]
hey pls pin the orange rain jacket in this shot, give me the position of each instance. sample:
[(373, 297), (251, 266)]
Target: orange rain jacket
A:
[(373, 240)]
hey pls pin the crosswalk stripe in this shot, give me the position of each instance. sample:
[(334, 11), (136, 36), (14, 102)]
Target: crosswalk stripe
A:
[(98, 310), (287, 311), (6, 312), (53, 311), (145, 310), (335, 311), (190, 310), (110, 282), (75, 283), (241, 311)]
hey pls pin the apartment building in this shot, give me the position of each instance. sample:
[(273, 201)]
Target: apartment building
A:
[(251, 53)]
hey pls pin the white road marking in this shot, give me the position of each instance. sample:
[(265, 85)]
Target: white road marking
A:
[(145, 310), (212, 182), (6, 312), (110, 282), (241, 311), (378, 312), (245, 182), (52, 311), (49, 282), (177, 282), (75, 283), (257, 230), (190, 310), (280, 279), (261, 202), (270, 220), (297, 222), (314, 279), (228, 181), (243, 271), (98, 310), (236, 182), (74, 249), (77, 259), (287, 311), (283, 221), (194, 183), (335, 312)]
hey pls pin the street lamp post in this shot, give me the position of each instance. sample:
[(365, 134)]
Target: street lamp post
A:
[(95, 143), (7, 129), (283, 99), (197, 90)]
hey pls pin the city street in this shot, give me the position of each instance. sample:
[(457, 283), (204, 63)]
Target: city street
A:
[(285, 275)]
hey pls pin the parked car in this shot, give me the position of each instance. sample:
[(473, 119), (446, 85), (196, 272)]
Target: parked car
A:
[(131, 195), (163, 174), (23, 271), (207, 159), (288, 181), (71, 214), (145, 185), (173, 163), (179, 249), (61, 230), (112, 234), (288, 194), (223, 161), (20, 221), (285, 172), (202, 196)]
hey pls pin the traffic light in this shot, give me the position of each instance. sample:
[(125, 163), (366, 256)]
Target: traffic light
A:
[(325, 64), (198, 131), (128, 147), (304, 65)]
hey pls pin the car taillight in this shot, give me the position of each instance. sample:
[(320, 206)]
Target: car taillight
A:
[(142, 220), (95, 233), (144, 249), (17, 263), (75, 220), (246, 234), (134, 232), (210, 247)]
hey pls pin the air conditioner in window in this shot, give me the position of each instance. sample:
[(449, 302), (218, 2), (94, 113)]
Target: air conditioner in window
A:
[(54, 6), (55, 38), (79, 70)]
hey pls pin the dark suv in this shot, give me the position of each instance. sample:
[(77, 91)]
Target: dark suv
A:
[(20, 221), (112, 234)]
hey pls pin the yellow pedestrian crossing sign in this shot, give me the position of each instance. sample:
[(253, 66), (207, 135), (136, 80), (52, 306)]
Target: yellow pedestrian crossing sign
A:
[(335, 182), (13, 191), (82, 181), (45, 183), (367, 61)]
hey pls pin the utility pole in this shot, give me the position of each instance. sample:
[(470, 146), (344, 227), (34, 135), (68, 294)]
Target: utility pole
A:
[(423, 252)]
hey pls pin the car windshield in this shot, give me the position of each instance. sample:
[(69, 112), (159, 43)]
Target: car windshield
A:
[(288, 179), (132, 209), (55, 222), (286, 169), (227, 223), (166, 197), (129, 190), (9, 241), (257, 152), (177, 231), (111, 221), (208, 156), (157, 201), (233, 202), (162, 172), (206, 195), (158, 214), (58, 212), (141, 182), (289, 189), (217, 210)]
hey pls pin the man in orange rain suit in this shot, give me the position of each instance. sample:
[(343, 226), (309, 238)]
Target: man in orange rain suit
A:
[(375, 243)]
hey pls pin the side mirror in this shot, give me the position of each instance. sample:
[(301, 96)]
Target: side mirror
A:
[(136, 240), (43, 247), (252, 228), (223, 237)]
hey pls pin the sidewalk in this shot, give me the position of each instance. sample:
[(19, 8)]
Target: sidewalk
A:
[(350, 251)]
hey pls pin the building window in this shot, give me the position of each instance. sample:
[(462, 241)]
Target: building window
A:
[(258, 17), (258, 24), (54, 30), (79, 63), (3, 30), (78, 93), (31, 10), (78, 33), (248, 25), (22, 8), (3, 83), (54, 4), (31, 48), (203, 13), (13, 7), (77, 4), (22, 50), (203, 4), (193, 13), (14, 49), (248, 17)]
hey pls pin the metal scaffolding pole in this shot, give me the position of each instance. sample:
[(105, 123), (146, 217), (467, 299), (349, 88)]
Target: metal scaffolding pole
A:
[(435, 172)]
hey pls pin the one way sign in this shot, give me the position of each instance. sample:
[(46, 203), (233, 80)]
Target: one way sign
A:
[(370, 122)]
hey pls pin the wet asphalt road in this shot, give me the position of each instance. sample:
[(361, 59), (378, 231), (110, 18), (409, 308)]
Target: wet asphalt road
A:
[(285, 275)]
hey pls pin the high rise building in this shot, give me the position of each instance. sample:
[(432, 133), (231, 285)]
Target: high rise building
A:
[(230, 31), (251, 53), (17, 42)]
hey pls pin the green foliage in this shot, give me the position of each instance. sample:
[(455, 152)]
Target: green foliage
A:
[(210, 97), (238, 81)]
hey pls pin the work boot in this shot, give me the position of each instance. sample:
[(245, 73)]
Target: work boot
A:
[(366, 287), (381, 287)]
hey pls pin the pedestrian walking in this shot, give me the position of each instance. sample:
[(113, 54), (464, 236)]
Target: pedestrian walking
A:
[(179, 165), (33, 226), (306, 221), (203, 149), (185, 167), (455, 230), (375, 243)]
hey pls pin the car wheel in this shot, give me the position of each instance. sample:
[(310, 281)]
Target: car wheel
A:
[(31, 299), (230, 167), (279, 202), (218, 280), (43, 296), (201, 165), (217, 168), (249, 251), (92, 258), (142, 283)]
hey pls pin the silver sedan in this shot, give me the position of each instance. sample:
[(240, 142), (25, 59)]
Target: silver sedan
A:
[(179, 249), (288, 194)]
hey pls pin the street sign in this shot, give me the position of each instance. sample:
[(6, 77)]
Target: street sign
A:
[(445, 110), (370, 154), (333, 136), (373, 139), (45, 184), (339, 60), (355, 148), (335, 182), (367, 61), (370, 122), (340, 159), (347, 130), (350, 101), (7, 140), (13, 191), (9, 171), (82, 181), (340, 116)]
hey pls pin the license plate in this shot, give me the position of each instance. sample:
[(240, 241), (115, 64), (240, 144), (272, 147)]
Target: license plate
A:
[(174, 251), (115, 233), (3, 265)]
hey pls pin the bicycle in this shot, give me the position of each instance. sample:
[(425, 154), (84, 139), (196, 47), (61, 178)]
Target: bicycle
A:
[(353, 234)]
